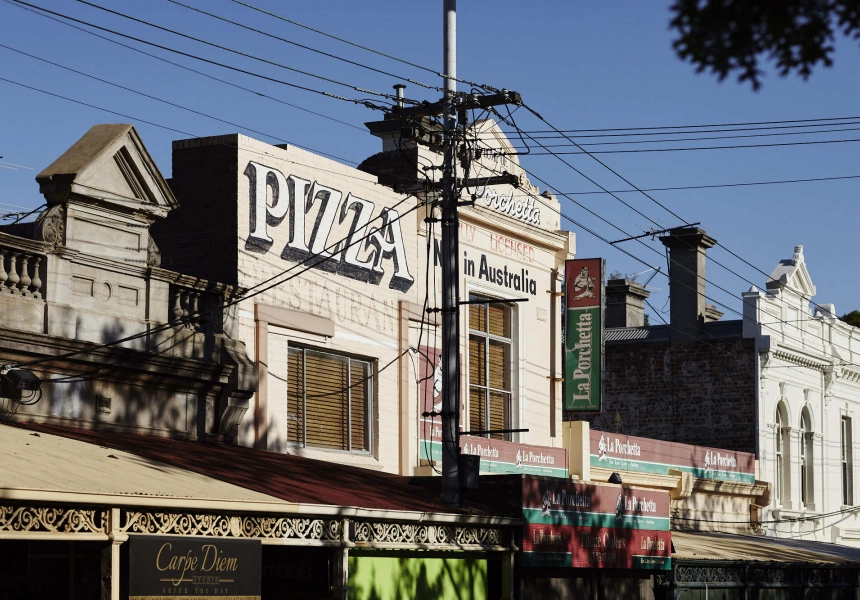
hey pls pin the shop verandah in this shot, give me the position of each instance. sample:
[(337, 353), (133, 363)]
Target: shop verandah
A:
[(71, 508)]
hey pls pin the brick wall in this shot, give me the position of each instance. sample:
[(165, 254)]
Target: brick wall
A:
[(695, 393), (199, 238)]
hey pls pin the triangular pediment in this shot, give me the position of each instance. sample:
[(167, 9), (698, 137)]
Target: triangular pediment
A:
[(793, 274), (109, 166)]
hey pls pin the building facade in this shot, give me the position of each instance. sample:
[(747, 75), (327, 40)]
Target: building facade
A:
[(343, 290), (809, 397), (702, 380)]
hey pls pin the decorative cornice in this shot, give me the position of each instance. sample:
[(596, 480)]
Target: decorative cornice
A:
[(799, 359), (850, 374)]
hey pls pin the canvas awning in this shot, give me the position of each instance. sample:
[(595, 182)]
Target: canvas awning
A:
[(733, 547)]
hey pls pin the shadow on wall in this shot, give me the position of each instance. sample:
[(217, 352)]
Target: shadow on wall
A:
[(384, 575)]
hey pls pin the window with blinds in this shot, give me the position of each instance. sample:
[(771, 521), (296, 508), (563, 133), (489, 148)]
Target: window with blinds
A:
[(490, 367), (329, 401)]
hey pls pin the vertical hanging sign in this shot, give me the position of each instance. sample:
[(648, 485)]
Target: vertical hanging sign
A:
[(583, 340)]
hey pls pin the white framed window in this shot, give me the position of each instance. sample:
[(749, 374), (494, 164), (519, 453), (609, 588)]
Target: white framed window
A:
[(778, 464), (847, 478), (491, 352), (782, 454), (329, 400), (807, 477)]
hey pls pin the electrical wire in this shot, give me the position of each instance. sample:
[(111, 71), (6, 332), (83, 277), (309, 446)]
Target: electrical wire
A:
[(663, 127), (731, 147), (640, 260), (395, 58), (184, 67), (550, 134), (303, 46), (205, 60), (695, 139), (240, 53), (628, 182), (169, 103), (718, 185), (259, 288)]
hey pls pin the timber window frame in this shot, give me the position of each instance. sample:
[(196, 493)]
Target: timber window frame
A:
[(330, 400), (491, 343)]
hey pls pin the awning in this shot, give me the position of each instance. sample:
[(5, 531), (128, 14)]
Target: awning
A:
[(41, 466), (733, 547), (140, 469)]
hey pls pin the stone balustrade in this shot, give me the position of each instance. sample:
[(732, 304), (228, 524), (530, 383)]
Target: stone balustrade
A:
[(195, 309), (22, 272)]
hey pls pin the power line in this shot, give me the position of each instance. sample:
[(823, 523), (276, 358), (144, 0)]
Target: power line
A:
[(267, 284), (719, 185), (239, 52), (184, 67), (365, 103), (169, 103), (662, 127), (731, 147), (642, 261), (395, 58), (309, 48), (628, 182), (551, 135), (695, 139), (123, 115)]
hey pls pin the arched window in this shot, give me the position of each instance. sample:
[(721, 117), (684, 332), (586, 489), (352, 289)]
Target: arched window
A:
[(806, 463), (778, 491), (782, 453)]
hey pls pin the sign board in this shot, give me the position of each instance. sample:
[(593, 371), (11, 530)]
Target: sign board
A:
[(583, 339), (499, 456), (589, 526), (644, 455), (182, 568)]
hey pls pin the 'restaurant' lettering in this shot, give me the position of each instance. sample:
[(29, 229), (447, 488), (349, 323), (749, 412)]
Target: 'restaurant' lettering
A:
[(360, 256)]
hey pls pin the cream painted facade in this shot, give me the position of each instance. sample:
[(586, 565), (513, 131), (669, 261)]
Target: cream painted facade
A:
[(366, 301), (809, 388)]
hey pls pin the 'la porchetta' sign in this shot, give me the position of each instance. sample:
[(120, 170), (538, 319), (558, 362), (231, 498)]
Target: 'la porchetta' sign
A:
[(583, 340), (361, 255)]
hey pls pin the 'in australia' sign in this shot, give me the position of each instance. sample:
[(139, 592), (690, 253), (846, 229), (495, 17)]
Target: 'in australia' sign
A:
[(177, 568), (309, 212)]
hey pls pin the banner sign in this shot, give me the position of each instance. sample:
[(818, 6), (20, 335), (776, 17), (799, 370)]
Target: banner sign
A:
[(589, 526), (644, 455), (583, 340), (497, 456), (181, 568)]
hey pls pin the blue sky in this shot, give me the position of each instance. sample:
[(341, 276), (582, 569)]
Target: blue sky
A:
[(582, 65)]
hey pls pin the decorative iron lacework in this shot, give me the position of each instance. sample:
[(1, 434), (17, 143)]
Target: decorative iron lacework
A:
[(431, 535), (691, 574), (39, 519), (325, 530)]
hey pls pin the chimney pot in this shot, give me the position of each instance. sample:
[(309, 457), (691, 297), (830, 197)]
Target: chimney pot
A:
[(687, 307), (625, 303)]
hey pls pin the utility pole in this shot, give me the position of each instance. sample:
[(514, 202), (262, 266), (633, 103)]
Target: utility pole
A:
[(411, 117), (450, 273)]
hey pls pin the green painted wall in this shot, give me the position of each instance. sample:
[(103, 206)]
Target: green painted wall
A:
[(416, 575)]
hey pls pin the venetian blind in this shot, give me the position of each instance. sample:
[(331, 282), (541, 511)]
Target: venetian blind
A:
[(328, 400)]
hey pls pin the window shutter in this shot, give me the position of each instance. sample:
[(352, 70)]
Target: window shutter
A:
[(326, 383), (360, 383), (295, 396)]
